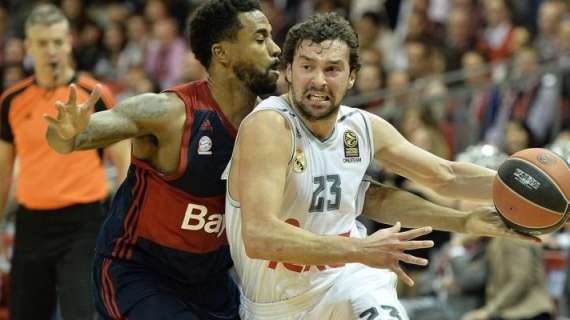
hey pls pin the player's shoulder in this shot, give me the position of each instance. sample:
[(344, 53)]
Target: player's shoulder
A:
[(15, 89), (266, 120)]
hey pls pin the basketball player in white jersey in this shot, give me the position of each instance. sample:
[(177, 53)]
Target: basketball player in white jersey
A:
[(295, 188)]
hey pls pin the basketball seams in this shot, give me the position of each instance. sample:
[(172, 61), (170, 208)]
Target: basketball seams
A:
[(546, 174)]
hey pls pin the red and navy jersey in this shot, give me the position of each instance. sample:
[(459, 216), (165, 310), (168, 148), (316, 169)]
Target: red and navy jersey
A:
[(175, 223)]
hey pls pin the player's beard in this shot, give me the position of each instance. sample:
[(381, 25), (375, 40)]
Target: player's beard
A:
[(306, 111), (260, 83)]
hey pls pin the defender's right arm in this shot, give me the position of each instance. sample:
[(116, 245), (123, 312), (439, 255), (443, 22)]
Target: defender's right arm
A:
[(264, 150), (78, 128)]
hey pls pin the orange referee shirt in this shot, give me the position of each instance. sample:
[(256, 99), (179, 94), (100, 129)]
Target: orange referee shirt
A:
[(48, 180)]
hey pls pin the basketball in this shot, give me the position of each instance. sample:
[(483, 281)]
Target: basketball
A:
[(532, 190)]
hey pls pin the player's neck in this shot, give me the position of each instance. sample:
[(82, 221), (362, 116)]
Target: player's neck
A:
[(320, 128), (233, 97), (50, 79)]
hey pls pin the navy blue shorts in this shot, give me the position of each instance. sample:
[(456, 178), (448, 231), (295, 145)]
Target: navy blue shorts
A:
[(126, 289)]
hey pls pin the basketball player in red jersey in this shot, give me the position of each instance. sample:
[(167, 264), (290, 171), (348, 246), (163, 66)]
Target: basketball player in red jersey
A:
[(162, 252)]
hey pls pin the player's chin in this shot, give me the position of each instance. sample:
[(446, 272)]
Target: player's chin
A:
[(273, 75)]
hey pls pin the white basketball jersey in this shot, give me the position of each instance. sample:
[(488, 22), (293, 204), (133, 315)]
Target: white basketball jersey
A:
[(324, 194)]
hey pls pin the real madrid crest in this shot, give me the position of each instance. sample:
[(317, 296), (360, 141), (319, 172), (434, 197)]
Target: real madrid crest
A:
[(351, 149), (299, 161)]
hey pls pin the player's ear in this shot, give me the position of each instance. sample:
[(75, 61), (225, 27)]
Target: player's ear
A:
[(351, 79), (220, 53), (288, 73)]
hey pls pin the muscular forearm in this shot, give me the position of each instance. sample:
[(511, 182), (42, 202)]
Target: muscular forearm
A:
[(283, 242), (389, 205), (469, 182), (104, 129)]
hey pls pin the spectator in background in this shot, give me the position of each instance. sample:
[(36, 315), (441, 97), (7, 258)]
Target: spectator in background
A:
[(477, 110), (371, 56), (533, 98), (135, 82), (14, 51), (369, 80), (88, 50), (107, 68), (399, 99), (549, 17), (459, 38), (3, 31), (165, 52), (564, 66), (137, 41), (11, 73), (117, 12), (518, 136), (521, 39), (420, 128), (374, 34), (516, 284), (497, 39), (454, 283), (156, 10), (419, 59), (565, 302), (60, 198)]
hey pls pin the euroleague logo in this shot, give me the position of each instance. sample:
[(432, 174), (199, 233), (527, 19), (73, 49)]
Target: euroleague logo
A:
[(546, 159)]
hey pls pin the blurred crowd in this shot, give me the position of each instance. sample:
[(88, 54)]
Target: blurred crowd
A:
[(456, 77)]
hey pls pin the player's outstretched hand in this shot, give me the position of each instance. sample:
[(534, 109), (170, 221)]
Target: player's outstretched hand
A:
[(485, 221), (386, 248), (72, 118)]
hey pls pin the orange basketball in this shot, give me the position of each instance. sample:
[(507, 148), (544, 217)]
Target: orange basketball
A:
[(532, 191)]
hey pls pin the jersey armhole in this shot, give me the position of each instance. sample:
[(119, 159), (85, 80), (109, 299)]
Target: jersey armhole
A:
[(370, 135)]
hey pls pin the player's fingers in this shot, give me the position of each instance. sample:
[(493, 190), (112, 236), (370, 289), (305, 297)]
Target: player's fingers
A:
[(413, 245), (402, 275), (60, 106), (410, 259), (414, 233), (72, 100), (94, 97), (51, 121)]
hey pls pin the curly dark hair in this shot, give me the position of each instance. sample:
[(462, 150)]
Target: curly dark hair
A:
[(215, 21), (319, 28)]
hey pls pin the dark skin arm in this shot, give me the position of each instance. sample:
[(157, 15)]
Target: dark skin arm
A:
[(76, 127)]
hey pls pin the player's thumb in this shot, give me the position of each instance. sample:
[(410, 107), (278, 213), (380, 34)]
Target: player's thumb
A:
[(396, 228)]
